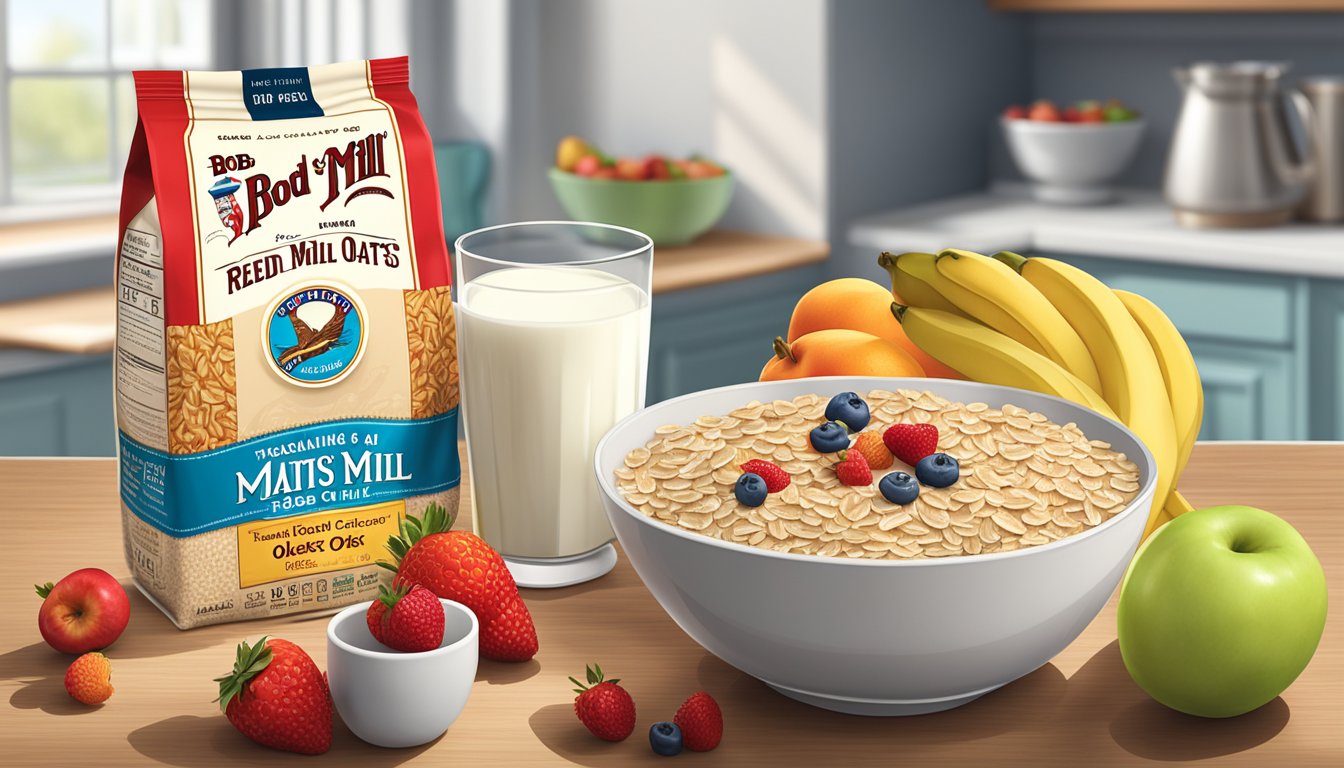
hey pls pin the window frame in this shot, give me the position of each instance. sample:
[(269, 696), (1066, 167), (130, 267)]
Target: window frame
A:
[(74, 201)]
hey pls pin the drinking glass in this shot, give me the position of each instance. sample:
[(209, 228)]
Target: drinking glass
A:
[(553, 330)]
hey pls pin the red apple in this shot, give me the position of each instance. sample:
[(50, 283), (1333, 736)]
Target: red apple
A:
[(85, 611), (1015, 112), (1091, 112), (655, 167), (587, 165), (605, 172), (631, 169)]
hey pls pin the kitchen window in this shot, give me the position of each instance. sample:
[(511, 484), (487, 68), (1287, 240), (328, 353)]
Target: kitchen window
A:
[(68, 107)]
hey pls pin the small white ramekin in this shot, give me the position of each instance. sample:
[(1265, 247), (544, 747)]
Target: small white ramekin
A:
[(394, 699)]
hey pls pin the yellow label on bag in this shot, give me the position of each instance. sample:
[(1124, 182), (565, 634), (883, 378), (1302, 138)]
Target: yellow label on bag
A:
[(273, 550)]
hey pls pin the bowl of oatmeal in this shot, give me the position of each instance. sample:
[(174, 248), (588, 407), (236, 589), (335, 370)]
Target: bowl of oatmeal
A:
[(836, 596)]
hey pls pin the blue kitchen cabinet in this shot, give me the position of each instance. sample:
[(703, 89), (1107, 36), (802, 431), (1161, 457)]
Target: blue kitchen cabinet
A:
[(63, 409), (1251, 335), (720, 334), (1325, 367)]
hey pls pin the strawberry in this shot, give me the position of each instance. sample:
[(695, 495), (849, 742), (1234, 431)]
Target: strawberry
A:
[(776, 479), (853, 469), (460, 566), (277, 697), (603, 706), (873, 449), (700, 721), (911, 442), (89, 678), (406, 618)]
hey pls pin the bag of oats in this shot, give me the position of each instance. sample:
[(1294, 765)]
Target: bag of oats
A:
[(286, 370)]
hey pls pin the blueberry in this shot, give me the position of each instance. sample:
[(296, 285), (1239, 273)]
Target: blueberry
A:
[(938, 470), (848, 408), (750, 489), (830, 437), (898, 488), (665, 738)]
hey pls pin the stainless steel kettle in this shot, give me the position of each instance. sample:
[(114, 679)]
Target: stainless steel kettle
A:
[(1233, 162)]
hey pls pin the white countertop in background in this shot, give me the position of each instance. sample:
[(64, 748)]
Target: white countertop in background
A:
[(1139, 226)]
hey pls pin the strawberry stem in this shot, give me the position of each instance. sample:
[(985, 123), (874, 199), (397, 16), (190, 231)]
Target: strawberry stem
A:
[(595, 677), (436, 519), (391, 596), (250, 662), (44, 589)]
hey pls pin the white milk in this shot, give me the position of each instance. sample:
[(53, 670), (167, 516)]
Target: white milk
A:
[(551, 358)]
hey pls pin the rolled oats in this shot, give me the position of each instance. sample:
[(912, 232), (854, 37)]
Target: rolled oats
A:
[(1025, 481)]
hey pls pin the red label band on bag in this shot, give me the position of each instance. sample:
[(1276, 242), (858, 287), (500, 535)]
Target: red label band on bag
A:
[(240, 163)]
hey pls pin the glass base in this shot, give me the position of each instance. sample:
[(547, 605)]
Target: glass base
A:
[(553, 572)]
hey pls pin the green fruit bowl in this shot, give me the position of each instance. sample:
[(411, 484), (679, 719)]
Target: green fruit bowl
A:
[(672, 212)]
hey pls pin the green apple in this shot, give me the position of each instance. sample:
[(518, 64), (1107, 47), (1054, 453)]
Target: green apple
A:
[(1221, 610)]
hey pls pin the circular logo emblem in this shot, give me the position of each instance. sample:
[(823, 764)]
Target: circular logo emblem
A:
[(314, 336)]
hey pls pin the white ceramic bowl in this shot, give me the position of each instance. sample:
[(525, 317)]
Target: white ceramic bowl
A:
[(875, 637), (394, 699), (1072, 163)]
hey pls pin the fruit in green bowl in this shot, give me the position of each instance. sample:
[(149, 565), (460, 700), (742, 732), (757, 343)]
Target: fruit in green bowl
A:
[(569, 152), (672, 212), (672, 201), (1221, 610)]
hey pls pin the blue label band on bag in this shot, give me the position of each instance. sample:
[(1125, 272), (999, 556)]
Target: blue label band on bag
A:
[(299, 471), (279, 93)]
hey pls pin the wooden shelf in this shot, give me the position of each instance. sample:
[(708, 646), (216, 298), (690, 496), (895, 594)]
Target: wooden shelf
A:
[(721, 256), (1169, 6)]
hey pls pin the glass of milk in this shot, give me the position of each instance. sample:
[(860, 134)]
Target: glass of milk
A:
[(553, 335)]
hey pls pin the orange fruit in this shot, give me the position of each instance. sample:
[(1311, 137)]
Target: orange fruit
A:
[(838, 352), (859, 305)]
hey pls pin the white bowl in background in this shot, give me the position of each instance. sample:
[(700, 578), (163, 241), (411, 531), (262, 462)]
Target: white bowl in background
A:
[(875, 637), (1072, 163), (394, 699)]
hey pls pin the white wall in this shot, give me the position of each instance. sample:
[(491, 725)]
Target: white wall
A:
[(743, 82)]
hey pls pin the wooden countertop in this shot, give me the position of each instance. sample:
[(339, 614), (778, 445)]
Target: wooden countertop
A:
[(84, 322), (721, 256), (1080, 709)]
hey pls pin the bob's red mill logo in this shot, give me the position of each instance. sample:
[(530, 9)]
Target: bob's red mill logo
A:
[(341, 168)]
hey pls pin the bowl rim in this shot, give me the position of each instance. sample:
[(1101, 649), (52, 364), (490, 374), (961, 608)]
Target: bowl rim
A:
[(1148, 488), (458, 248), (393, 657), (556, 173), (1059, 126)]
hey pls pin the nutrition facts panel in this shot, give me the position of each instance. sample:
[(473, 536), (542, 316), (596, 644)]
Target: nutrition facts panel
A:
[(142, 395)]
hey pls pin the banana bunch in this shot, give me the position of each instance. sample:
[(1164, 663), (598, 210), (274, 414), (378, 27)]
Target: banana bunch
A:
[(1047, 326)]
